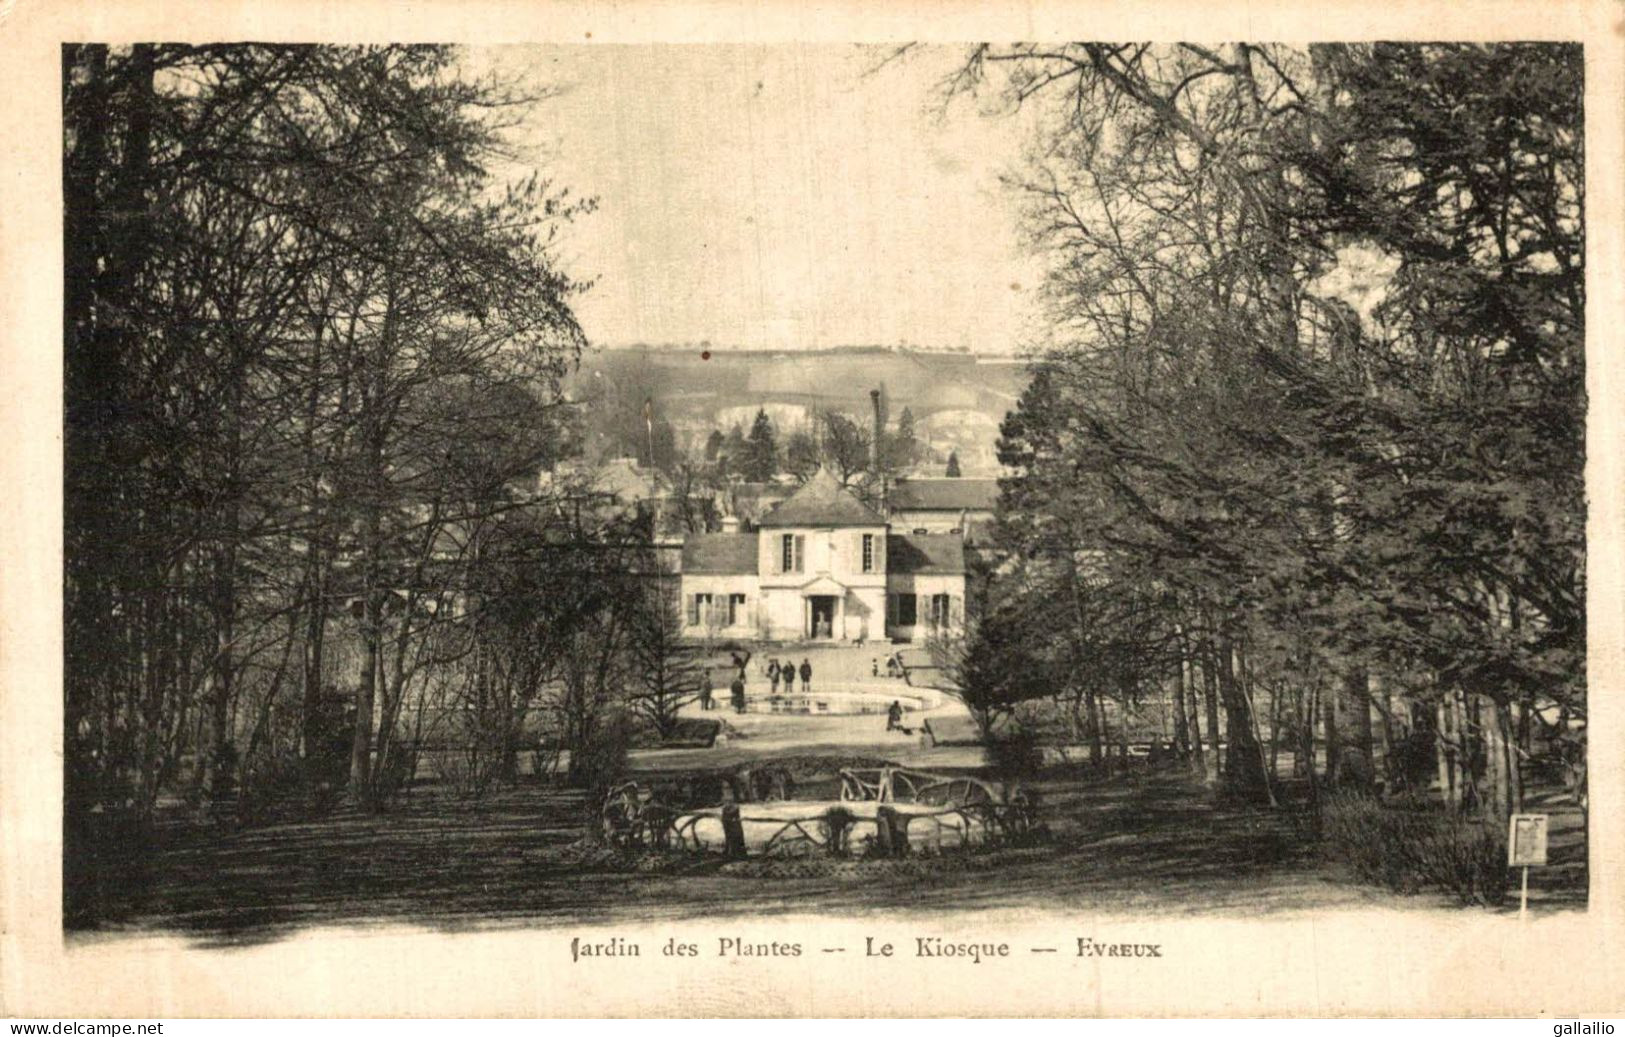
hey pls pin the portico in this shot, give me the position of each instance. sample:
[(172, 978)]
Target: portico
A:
[(824, 602)]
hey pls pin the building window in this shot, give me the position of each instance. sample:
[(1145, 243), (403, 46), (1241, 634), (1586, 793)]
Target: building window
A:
[(902, 610), (940, 605), (868, 552), (791, 552), (736, 609), (699, 610)]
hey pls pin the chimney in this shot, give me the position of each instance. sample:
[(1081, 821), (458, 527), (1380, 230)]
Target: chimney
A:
[(874, 440), (874, 450)]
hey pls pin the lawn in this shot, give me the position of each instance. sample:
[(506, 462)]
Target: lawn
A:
[(1146, 844)]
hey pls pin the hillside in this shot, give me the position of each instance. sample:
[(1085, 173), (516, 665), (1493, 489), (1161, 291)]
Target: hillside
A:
[(958, 399)]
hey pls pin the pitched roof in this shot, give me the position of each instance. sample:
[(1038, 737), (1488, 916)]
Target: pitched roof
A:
[(919, 553), (755, 491), (629, 481), (822, 501), (720, 554), (944, 495), (750, 499)]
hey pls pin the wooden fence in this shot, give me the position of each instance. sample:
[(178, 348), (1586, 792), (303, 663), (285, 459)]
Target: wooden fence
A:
[(970, 813)]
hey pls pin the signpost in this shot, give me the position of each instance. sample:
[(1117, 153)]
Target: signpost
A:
[(1526, 848)]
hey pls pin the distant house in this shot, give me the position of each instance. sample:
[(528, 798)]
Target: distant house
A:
[(623, 487), (749, 501), (944, 506), (822, 565)]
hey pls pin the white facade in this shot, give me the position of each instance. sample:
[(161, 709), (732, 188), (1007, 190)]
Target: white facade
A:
[(822, 583), (940, 521), (823, 567)]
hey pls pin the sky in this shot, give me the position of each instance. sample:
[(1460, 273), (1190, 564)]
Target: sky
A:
[(779, 196)]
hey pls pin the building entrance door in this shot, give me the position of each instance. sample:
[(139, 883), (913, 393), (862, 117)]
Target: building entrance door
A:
[(821, 616)]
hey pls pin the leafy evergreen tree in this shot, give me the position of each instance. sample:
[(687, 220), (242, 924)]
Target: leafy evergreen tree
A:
[(902, 448), (760, 459), (665, 669)]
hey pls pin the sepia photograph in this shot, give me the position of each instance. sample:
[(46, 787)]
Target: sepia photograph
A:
[(478, 509), (612, 495)]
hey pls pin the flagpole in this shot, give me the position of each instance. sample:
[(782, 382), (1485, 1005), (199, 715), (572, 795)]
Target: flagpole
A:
[(649, 426)]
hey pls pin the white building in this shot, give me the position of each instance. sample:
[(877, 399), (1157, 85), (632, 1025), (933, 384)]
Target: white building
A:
[(822, 565), (944, 505)]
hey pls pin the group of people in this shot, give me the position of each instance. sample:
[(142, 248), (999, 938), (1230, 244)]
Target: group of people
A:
[(736, 688), (894, 666), (786, 672), (777, 672)]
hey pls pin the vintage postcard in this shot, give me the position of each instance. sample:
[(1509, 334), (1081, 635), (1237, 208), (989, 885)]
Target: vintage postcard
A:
[(658, 510)]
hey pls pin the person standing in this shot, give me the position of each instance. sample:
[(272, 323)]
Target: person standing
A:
[(787, 673), (773, 674), (705, 692), (736, 691), (806, 675)]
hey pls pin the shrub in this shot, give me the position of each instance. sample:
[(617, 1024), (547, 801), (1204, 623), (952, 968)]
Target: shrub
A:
[(600, 762), (1014, 754), (395, 773), (1409, 846), (273, 786)]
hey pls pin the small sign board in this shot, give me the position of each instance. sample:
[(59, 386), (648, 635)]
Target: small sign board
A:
[(1526, 840)]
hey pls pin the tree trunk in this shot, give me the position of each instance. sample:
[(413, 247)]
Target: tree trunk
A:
[(316, 604), (1334, 745), (1244, 758), (891, 833), (1305, 762), (1520, 750), (1446, 752), (1466, 773), (733, 832), (1091, 708), (220, 689), (372, 630), (1275, 732), (315, 643), (1249, 692), (366, 694), (1495, 725), (1357, 712), (1182, 730), (375, 433), (1210, 688), (1198, 759), (1379, 693), (225, 604)]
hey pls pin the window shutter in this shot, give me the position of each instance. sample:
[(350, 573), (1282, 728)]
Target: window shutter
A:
[(801, 557)]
